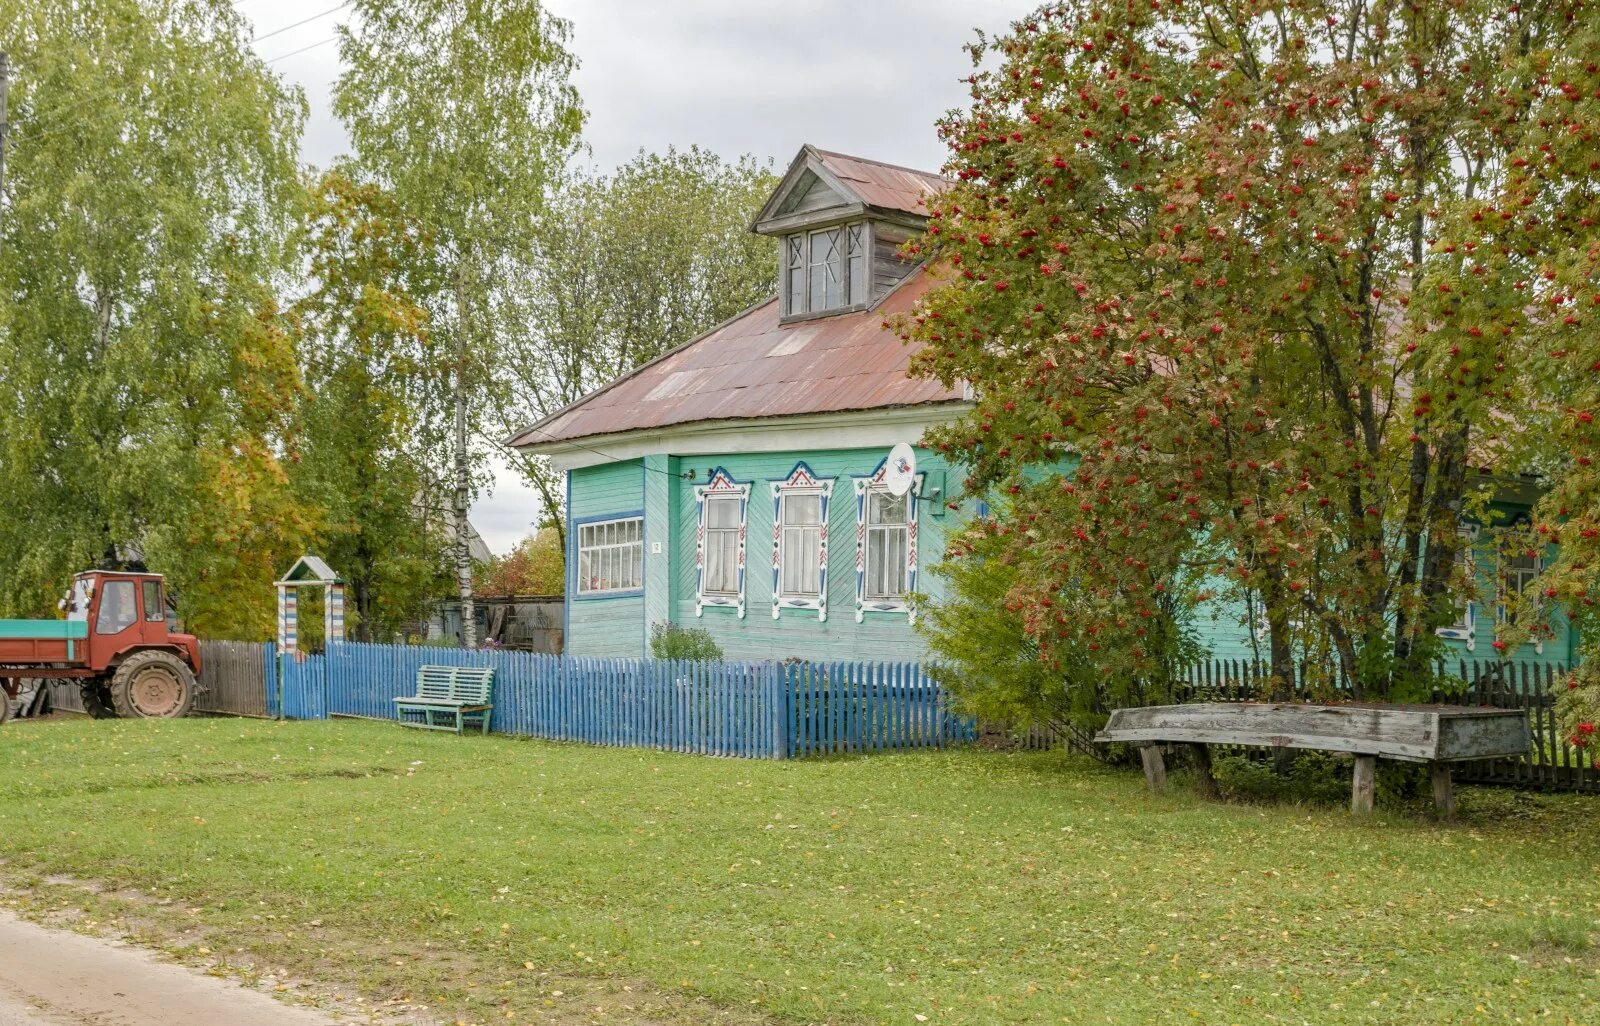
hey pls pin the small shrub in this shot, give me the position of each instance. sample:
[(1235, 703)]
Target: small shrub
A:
[(691, 644), (1314, 778)]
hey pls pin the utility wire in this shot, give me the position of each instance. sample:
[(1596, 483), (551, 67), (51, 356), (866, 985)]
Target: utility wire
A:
[(303, 49), (302, 21)]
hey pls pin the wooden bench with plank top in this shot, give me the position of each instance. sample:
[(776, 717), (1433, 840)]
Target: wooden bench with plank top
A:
[(1438, 735), (448, 698)]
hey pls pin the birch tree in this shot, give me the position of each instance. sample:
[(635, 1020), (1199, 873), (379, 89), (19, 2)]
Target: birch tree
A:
[(462, 110)]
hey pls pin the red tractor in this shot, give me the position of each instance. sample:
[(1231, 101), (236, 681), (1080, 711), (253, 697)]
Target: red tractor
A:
[(114, 642)]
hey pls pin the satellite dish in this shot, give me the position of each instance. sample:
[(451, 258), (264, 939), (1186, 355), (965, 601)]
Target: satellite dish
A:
[(900, 470)]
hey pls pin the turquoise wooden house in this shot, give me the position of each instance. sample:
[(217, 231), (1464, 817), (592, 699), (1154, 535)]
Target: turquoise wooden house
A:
[(736, 483)]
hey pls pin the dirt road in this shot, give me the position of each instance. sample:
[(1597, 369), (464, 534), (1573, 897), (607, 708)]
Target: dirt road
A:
[(56, 978)]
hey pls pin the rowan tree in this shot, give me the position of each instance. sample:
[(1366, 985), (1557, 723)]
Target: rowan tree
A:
[(1200, 254)]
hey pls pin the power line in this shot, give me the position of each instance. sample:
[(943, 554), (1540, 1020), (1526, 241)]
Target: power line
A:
[(302, 21), (303, 49)]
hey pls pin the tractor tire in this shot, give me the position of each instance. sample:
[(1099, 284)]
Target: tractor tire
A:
[(153, 685), (96, 699), (5, 707)]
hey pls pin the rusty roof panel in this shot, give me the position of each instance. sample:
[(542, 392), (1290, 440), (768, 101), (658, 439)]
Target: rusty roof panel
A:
[(753, 366), (885, 185)]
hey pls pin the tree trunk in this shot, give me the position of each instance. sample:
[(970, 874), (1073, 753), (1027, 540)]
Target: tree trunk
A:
[(463, 490)]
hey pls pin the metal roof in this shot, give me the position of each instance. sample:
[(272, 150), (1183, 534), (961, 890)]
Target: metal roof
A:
[(755, 366), (885, 186)]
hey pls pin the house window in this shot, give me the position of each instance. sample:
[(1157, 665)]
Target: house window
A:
[(887, 539), (886, 545), (1464, 627), (800, 542), (1518, 568), (801, 545), (611, 556), (720, 544), (825, 269)]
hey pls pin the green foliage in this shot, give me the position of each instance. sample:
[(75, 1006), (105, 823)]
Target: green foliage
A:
[(623, 268), (988, 656), (1311, 778), (149, 373), (463, 113), (373, 374), (1264, 270), (537, 566), (1578, 708), (693, 644)]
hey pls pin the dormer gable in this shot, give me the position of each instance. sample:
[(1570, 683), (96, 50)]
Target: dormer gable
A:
[(840, 222)]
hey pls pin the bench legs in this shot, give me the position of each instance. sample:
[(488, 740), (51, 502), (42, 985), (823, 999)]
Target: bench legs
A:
[(1362, 787), (1204, 782), (1444, 792), (1155, 767)]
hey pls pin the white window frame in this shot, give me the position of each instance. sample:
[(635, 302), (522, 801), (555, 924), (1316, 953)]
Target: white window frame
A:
[(721, 487), (1465, 627), (853, 267), (800, 481), (613, 553), (865, 487), (1525, 574)]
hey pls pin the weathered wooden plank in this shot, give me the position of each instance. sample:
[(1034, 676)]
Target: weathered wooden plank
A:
[(1396, 732)]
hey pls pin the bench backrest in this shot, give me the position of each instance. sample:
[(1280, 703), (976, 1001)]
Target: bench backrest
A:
[(455, 683)]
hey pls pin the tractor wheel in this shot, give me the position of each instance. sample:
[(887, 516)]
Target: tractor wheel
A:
[(152, 685), (5, 706), (97, 699)]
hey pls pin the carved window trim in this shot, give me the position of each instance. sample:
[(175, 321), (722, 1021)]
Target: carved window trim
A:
[(864, 487), (720, 486), (801, 481)]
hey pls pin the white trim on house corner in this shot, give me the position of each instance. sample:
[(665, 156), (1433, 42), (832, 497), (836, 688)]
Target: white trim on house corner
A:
[(856, 429)]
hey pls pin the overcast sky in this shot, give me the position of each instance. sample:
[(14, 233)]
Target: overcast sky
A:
[(868, 77)]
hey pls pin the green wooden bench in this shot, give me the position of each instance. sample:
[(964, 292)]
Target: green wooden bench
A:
[(448, 697)]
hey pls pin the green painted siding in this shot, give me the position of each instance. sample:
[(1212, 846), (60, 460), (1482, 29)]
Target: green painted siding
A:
[(1223, 631), (619, 626), (612, 627), (798, 632)]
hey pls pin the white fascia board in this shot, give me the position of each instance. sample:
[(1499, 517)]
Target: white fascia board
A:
[(857, 429)]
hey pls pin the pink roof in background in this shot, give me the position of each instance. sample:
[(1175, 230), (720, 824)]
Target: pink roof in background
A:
[(753, 366), (885, 186)]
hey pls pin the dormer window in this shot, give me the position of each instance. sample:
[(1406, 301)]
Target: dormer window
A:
[(825, 269)]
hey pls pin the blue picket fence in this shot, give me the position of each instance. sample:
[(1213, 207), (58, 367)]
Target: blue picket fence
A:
[(747, 710)]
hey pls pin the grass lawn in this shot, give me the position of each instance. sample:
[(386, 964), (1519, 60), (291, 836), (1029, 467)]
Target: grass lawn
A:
[(476, 874)]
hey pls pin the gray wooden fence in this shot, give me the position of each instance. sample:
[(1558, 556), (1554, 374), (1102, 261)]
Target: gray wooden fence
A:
[(233, 676)]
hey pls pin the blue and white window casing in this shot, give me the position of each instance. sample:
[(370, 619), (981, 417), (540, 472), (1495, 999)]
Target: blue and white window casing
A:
[(886, 545), (610, 553), (1517, 570), (1465, 626), (723, 506), (800, 541)]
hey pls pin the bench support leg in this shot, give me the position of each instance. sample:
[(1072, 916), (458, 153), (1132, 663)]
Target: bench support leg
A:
[(1155, 768), (1444, 792), (1204, 782), (1361, 788)]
